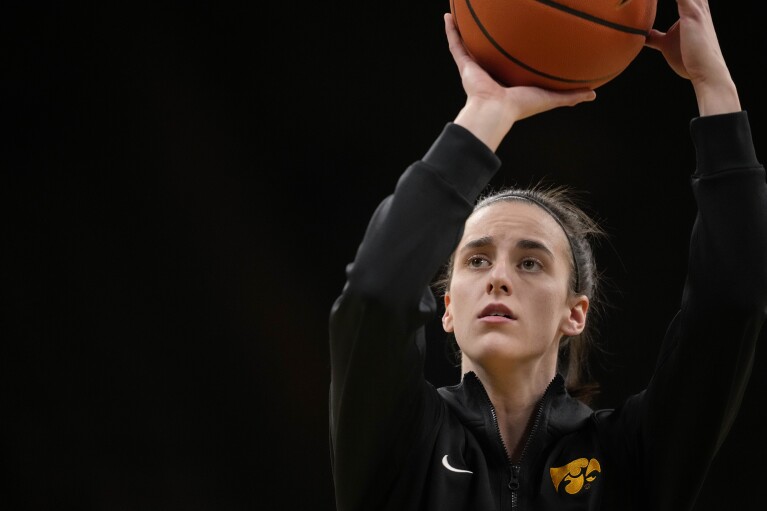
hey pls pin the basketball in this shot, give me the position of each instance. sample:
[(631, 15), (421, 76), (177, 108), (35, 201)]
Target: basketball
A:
[(567, 44)]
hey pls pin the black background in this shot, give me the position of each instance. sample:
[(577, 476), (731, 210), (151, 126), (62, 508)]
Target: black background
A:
[(185, 183)]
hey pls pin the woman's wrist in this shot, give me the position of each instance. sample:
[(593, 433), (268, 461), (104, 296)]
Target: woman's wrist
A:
[(717, 97), (488, 120)]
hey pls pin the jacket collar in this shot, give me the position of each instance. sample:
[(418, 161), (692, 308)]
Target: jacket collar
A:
[(557, 414)]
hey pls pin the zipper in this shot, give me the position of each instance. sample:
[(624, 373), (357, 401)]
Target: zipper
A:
[(515, 468), (514, 484)]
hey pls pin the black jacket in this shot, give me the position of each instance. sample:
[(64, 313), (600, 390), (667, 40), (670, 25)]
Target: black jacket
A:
[(399, 444)]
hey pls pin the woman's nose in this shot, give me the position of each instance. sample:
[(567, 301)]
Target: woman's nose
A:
[(499, 280)]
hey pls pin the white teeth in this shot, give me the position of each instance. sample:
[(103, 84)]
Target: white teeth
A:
[(498, 314)]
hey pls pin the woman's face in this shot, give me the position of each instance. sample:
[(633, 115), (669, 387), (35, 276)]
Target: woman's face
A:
[(508, 300)]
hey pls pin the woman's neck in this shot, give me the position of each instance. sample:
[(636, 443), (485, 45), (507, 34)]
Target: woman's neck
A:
[(515, 396)]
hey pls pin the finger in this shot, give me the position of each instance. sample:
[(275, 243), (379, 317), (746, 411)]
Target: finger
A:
[(548, 99), (655, 39), (572, 98), (533, 100), (455, 44)]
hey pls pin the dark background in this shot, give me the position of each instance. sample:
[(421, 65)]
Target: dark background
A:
[(185, 183)]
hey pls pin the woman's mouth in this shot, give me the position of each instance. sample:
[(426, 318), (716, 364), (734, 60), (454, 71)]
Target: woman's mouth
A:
[(496, 313)]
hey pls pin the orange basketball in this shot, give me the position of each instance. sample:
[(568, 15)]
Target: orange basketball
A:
[(563, 44)]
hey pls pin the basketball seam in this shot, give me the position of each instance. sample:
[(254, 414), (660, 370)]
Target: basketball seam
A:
[(594, 19), (522, 64)]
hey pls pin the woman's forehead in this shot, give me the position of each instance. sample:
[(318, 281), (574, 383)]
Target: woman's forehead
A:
[(514, 219)]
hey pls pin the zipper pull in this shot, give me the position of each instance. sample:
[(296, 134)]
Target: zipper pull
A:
[(514, 486), (514, 481)]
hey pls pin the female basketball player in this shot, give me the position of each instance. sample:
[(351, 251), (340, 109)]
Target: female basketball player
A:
[(517, 296)]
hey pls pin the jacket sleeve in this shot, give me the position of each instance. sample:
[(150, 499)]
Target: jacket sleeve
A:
[(380, 404), (708, 351)]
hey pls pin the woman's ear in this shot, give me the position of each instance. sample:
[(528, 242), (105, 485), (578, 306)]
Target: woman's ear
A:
[(447, 317), (575, 321)]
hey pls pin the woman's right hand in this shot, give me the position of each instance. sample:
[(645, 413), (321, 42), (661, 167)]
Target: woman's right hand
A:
[(492, 109)]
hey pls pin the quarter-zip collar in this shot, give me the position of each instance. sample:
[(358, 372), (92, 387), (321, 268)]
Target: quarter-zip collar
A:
[(559, 415), (470, 401), (555, 415), (517, 470)]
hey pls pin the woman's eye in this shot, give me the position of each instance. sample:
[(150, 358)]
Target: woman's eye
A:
[(477, 262), (531, 265)]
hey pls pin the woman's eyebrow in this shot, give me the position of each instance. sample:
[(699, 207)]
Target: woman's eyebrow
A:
[(526, 244), (479, 242), (534, 245)]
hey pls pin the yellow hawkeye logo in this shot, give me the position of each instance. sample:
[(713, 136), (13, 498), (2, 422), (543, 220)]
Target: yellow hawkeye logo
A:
[(577, 475)]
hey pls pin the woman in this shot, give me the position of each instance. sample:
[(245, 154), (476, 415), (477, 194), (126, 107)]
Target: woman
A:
[(510, 436)]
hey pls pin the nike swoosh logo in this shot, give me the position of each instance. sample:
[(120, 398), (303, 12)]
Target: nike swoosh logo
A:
[(453, 469)]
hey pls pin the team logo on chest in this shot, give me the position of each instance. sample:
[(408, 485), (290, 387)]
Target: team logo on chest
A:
[(576, 475)]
